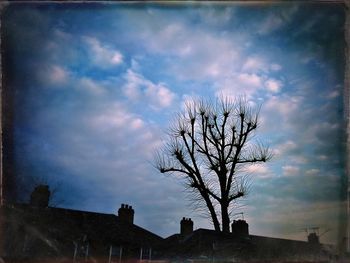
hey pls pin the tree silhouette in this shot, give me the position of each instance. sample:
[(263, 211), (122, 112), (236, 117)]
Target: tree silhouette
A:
[(209, 144)]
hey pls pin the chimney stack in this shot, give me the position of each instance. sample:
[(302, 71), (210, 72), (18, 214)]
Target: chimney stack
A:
[(186, 226), (240, 228), (313, 238), (40, 196), (126, 214)]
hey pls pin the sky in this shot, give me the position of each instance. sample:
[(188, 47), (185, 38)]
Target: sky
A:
[(95, 87)]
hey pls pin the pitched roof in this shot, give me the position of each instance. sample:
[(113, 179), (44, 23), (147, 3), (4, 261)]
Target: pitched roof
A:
[(59, 229), (208, 243)]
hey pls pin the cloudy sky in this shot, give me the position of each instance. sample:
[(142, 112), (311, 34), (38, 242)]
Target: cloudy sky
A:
[(96, 86)]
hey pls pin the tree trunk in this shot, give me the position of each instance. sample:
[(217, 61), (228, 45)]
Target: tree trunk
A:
[(225, 218), (215, 220), (212, 213)]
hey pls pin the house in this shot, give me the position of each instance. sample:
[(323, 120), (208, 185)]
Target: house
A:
[(35, 232), (239, 245)]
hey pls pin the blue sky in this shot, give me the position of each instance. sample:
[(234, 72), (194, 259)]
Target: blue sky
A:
[(96, 86)]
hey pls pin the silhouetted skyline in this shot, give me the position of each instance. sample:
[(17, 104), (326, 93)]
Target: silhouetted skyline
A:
[(95, 88)]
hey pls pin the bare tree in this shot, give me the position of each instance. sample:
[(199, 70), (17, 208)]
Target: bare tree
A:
[(209, 145)]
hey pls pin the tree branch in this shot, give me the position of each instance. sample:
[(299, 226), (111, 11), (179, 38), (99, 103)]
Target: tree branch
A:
[(171, 169), (233, 197), (210, 142)]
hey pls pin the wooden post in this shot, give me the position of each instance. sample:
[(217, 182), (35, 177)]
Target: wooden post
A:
[(75, 251), (87, 252), (120, 253), (141, 254), (110, 254)]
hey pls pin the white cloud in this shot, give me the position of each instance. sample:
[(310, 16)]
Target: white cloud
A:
[(115, 117), (306, 58), (241, 83), (132, 87), (275, 67), (254, 64), (317, 133), (299, 159), (137, 124), (333, 94), (270, 24), (114, 126), (273, 85), (123, 130), (58, 75), (90, 85), (137, 87), (278, 112), (117, 58), (102, 55), (308, 25), (250, 80), (290, 170), (285, 148), (54, 75), (160, 95), (285, 107), (199, 54), (312, 171), (257, 63), (322, 157), (188, 99), (276, 20), (212, 16), (107, 147), (261, 170)]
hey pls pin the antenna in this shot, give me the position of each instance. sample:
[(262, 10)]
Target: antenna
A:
[(305, 230), (315, 230), (324, 232)]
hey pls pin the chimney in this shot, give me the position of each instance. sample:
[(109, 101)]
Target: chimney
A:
[(312, 238), (186, 226), (40, 196), (240, 228), (126, 214)]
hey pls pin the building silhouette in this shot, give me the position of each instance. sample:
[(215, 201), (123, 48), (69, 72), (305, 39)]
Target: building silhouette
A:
[(35, 232)]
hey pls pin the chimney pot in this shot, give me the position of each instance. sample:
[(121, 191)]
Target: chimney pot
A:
[(126, 214), (40, 196), (240, 228), (313, 238), (186, 226)]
